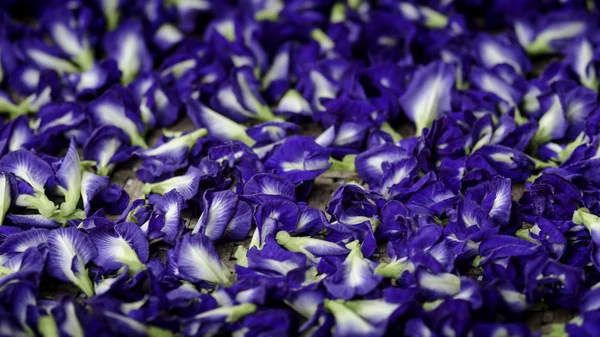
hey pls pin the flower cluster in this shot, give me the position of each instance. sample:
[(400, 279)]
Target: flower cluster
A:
[(472, 128)]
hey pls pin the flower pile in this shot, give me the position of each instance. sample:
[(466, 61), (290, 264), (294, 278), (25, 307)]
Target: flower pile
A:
[(488, 200)]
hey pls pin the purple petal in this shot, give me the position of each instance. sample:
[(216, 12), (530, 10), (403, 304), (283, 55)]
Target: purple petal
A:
[(123, 244), (69, 251), (195, 260), (428, 94)]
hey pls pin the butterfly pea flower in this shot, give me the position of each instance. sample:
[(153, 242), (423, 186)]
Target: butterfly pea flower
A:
[(354, 277), (217, 125), (224, 216), (505, 257), (239, 98), (57, 123), (583, 324), (98, 193), (263, 321), (495, 197), (389, 39), (345, 133), (28, 221), (46, 57), (271, 217), (578, 104), (550, 152), (272, 260), (592, 223), (187, 13), (493, 81), (18, 243), (396, 222), (165, 222), (581, 58), (49, 89), (237, 160), (293, 105), (69, 317), (117, 322), (552, 33), (487, 131), (7, 194), (395, 268), (28, 265), (7, 56), (112, 11), (351, 206), (311, 247), (186, 185), (237, 37), (5, 231), (511, 300), (547, 234), (426, 248), (116, 108), (360, 317), (195, 259), (589, 300), (427, 96), (446, 138), (138, 212), (464, 240), (553, 282), (167, 36), (21, 297), (124, 244), (204, 81), (69, 179), (211, 321), (263, 187), (275, 81), (553, 123), (308, 303), (501, 160), (69, 34), (33, 173), (369, 163), (69, 250), (25, 78), (107, 146), (93, 81), (120, 283), (439, 285), (172, 152), (127, 46), (452, 316), (551, 196), (271, 131), (315, 85), (113, 199), (398, 176), (310, 221), (158, 104), (501, 49), (298, 159), (175, 66)]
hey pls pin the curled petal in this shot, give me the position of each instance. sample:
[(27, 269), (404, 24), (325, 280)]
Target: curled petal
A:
[(69, 251), (124, 244), (428, 94), (195, 259)]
